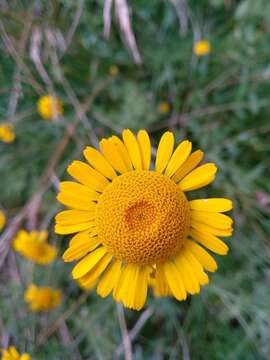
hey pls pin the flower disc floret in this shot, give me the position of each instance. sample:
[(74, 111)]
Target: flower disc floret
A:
[(143, 217)]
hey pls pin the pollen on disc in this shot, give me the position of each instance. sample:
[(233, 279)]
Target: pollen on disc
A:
[(143, 217)]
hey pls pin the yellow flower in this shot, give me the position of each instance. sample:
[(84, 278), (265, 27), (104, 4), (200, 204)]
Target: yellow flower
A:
[(42, 298), (135, 226), (202, 48), (50, 107), (2, 220), (7, 133), (12, 354), (113, 70), (34, 246), (164, 107)]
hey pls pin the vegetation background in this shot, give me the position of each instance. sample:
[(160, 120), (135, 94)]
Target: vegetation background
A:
[(220, 102)]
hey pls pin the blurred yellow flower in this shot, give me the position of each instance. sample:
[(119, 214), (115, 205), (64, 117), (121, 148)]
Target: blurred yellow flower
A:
[(164, 107), (202, 48), (113, 70), (11, 353), (2, 219), (7, 133), (42, 298), (34, 246), (50, 107)]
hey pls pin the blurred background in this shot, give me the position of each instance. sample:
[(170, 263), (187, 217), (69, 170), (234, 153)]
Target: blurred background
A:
[(112, 65)]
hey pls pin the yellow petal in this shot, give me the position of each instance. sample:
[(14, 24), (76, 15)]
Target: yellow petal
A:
[(132, 286), (207, 229), (127, 276), (2, 220), (122, 150), (178, 158), (132, 148), (197, 268), (205, 259), (77, 196), (13, 352), (78, 190), (88, 176), (74, 202), (145, 148), (88, 262), (161, 287), (98, 161), (211, 242), (190, 282), (109, 278), (88, 279), (111, 154), (70, 229), (71, 217), (83, 237), (142, 287), (192, 161), (199, 177), (25, 357), (174, 280), (217, 220), (164, 151), (80, 248), (211, 205)]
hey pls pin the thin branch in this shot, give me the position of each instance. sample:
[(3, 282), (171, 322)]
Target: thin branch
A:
[(124, 331), (107, 18), (210, 110), (134, 332), (31, 206), (122, 13), (63, 317), (36, 39), (74, 25)]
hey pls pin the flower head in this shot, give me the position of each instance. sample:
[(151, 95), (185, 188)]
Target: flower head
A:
[(50, 107), (164, 107), (135, 226), (34, 246), (7, 133), (42, 298), (202, 48), (11, 353), (113, 70), (2, 219)]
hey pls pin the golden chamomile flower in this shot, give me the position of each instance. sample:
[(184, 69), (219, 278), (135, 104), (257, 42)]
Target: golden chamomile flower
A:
[(164, 107), (49, 107), (7, 133), (135, 226), (113, 70), (11, 353), (42, 298), (202, 48), (2, 220), (34, 246)]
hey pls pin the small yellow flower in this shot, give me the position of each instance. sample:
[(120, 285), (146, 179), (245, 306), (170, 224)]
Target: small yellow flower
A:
[(113, 70), (50, 107), (134, 222), (2, 220), (11, 353), (42, 298), (202, 48), (7, 133), (34, 246), (164, 107)]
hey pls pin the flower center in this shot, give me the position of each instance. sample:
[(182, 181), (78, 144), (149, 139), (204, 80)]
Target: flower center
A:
[(143, 217)]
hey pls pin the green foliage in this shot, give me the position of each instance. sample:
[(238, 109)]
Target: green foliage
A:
[(220, 102)]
